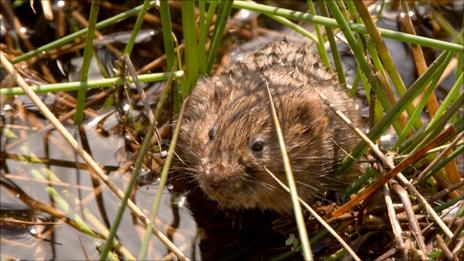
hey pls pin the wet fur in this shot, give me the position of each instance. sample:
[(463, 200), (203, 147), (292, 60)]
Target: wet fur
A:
[(227, 113)]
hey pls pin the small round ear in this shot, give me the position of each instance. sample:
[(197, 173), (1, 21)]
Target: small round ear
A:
[(303, 113)]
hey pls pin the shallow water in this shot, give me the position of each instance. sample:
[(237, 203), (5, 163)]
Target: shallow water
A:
[(60, 240)]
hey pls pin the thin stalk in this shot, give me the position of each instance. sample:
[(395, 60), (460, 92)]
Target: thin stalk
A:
[(71, 37), (355, 84), (391, 34), (161, 185), (220, 26), (435, 127), (416, 115), (384, 54), (88, 50), (396, 109), (191, 67), (320, 40), (449, 203), (460, 40), (70, 212), (411, 143), (168, 41), (373, 54), (294, 27), (205, 24), (451, 97), (342, 7), (49, 177), (166, 29), (146, 144), (202, 36), (361, 60), (102, 83), (459, 150), (37, 174), (306, 246), (95, 169), (136, 27), (354, 187), (333, 46)]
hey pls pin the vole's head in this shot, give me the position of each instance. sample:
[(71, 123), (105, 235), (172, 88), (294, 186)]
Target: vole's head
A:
[(228, 140)]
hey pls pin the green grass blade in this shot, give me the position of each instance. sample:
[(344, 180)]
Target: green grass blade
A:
[(202, 36), (146, 144), (459, 150), (296, 15), (305, 244), (168, 41), (294, 27), (191, 67), (333, 46), (88, 51), (320, 40), (394, 112), (384, 55), (136, 28), (161, 185), (71, 37), (220, 26), (102, 83), (451, 97), (435, 127), (421, 106)]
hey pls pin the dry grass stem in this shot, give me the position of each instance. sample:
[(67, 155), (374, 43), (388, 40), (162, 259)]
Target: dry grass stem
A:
[(131, 70), (444, 248), (442, 154), (395, 224), (413, 223), (318, 218), (394, 171)]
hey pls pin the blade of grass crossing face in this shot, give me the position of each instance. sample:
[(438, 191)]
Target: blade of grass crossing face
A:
[(88, 50), (306, 246)]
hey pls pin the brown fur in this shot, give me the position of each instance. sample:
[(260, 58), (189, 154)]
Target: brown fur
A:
[(228, 114)]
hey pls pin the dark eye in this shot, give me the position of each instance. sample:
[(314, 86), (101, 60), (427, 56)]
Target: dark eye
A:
[(257, 146), (212, 132)]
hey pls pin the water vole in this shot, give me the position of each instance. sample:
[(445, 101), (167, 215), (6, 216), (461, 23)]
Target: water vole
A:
[(228, 138)]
